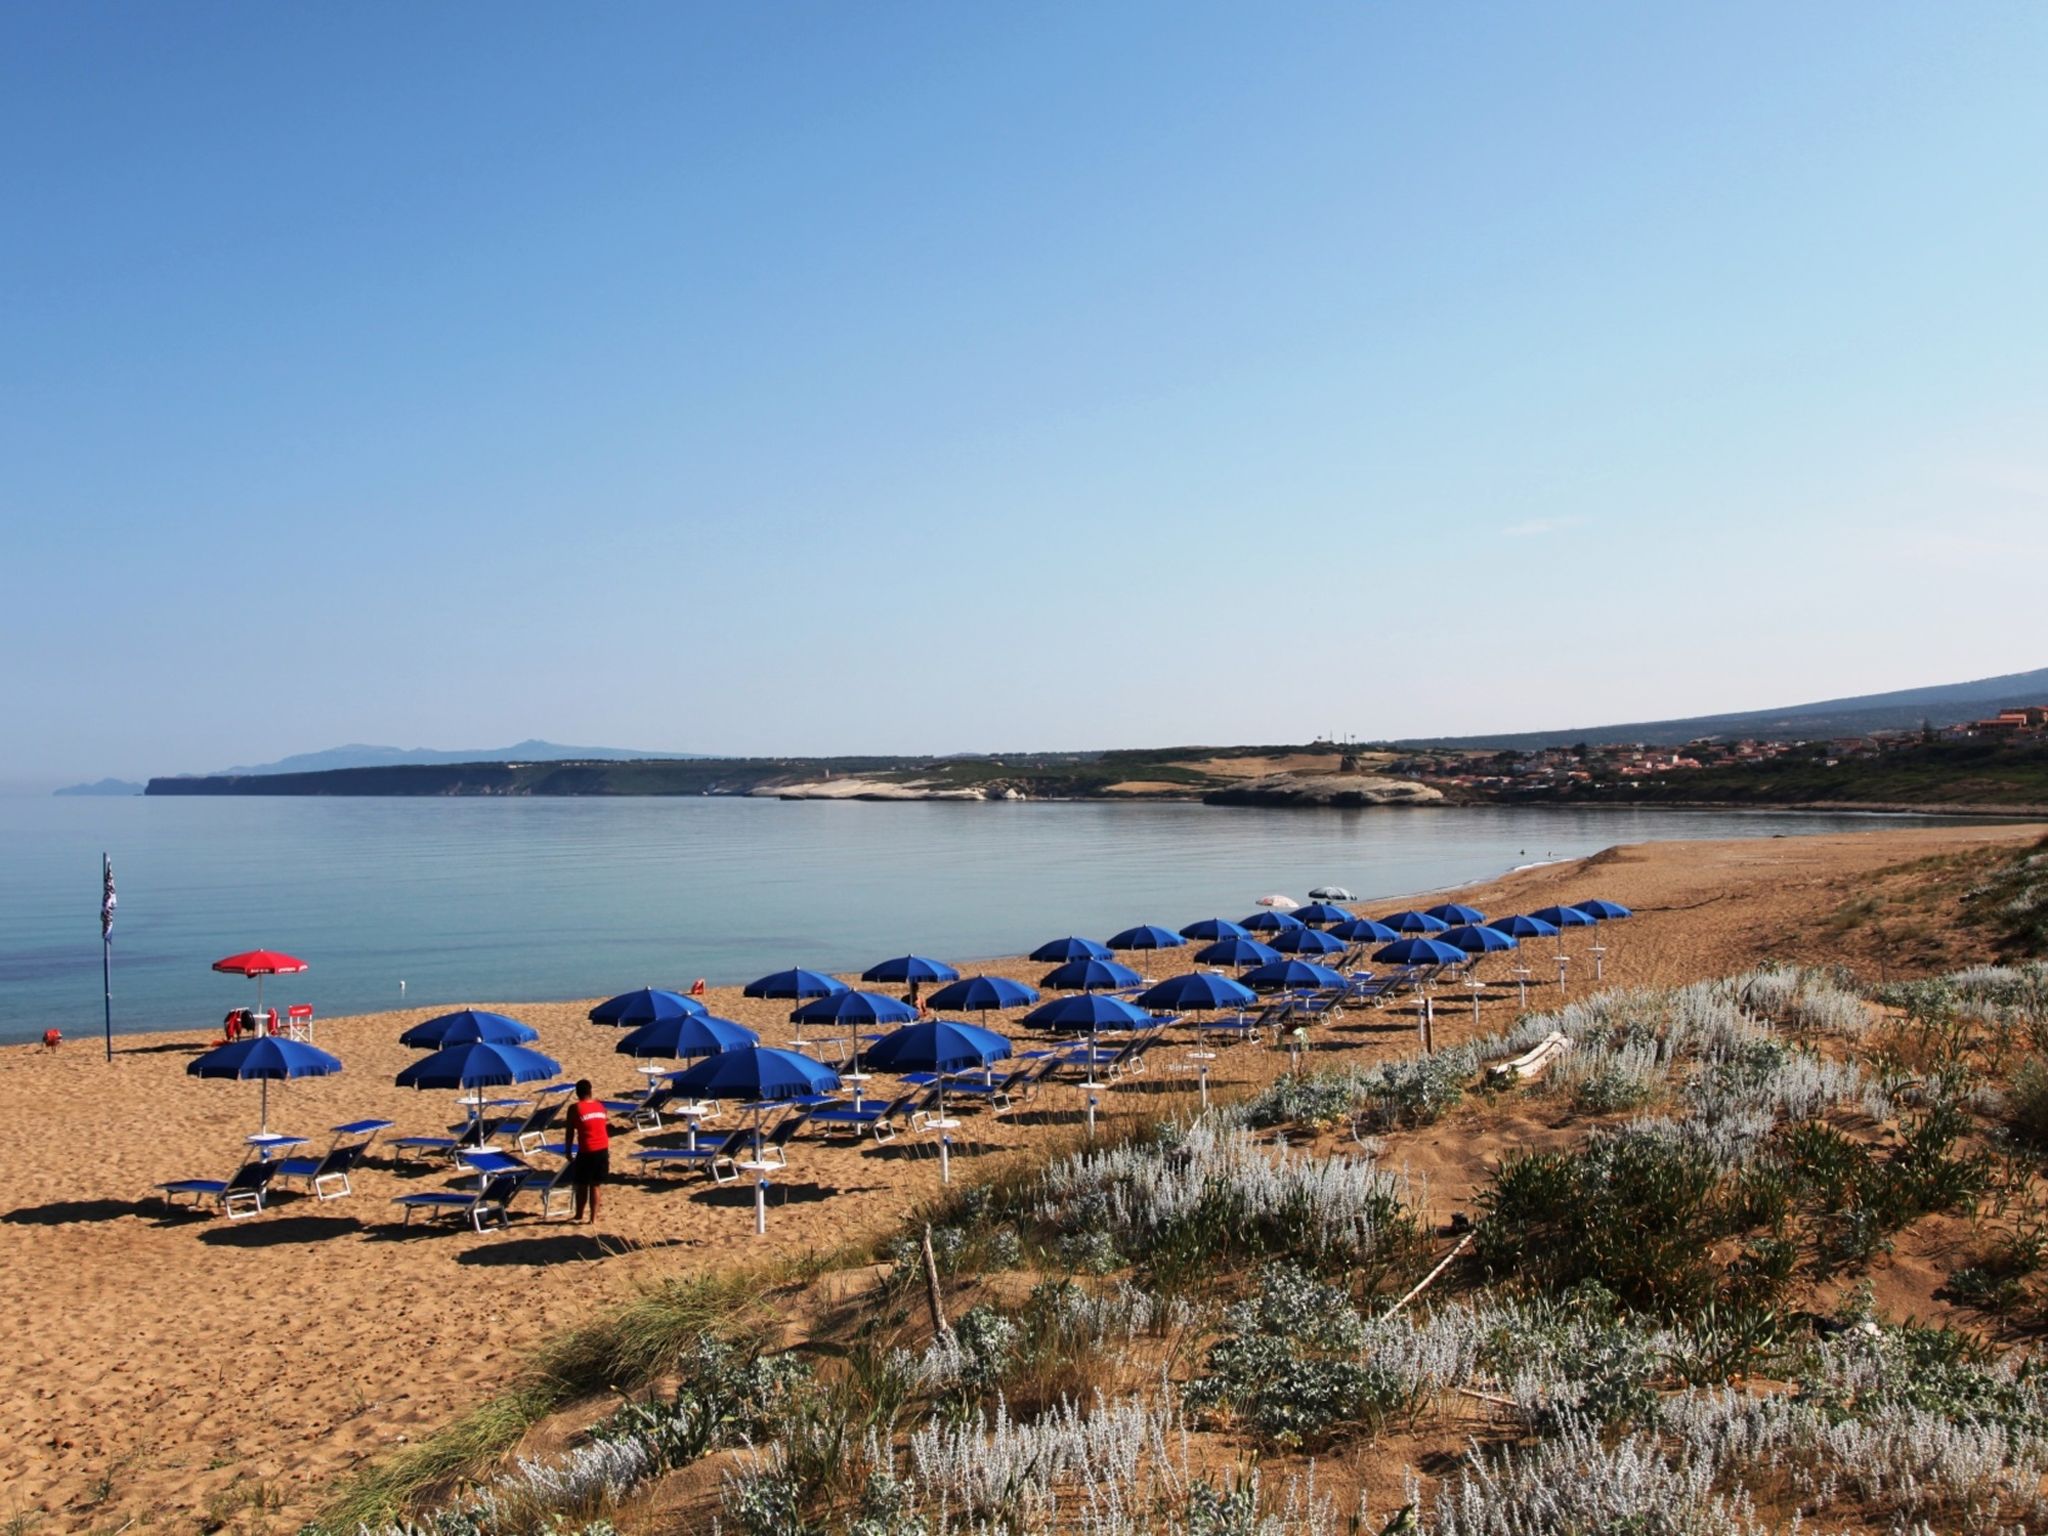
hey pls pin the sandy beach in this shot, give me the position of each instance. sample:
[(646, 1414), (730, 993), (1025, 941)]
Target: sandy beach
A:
[(179, 1365)]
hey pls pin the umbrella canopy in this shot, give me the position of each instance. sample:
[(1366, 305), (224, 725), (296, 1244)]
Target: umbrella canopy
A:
[(1278, 902), (264, 1057), (1363, 930), (682, 1039), (650, 1005), (1453, 913), (1147, 936), (938, 1045), (1563, 917), (1270, 922), (1086, 975), (1330, 893), (1317, 913), (1418, 952), (755, 1073), (479, 1066), (1307, 941), (472, 1026), (978, 994), (1246, 951), (1090, 1011), (793, 983), (1477, 939), (1523, 927), (1290, 974), (1069, 949), (260, 962), (909, 968), (851, 1007), (1213, 928), (1415, 922), (1603, 911), (1196, 990)]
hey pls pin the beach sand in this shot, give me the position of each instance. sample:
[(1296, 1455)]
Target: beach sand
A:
[(187, 1366)]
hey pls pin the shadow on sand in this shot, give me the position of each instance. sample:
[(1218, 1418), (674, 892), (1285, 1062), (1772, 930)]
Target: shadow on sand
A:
[(60, 1213)]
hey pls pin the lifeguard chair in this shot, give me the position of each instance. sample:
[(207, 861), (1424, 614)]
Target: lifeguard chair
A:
[(298, 1021)]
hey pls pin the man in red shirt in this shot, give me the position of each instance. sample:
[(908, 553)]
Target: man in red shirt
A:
[(590, 1149)]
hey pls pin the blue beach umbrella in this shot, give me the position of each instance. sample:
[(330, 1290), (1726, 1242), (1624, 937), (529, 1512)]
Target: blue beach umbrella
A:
[(854, 1010), (1090, 1011), (1418, 952), (1059, 950), (1320, 913), (1147, 936), (1212, 928), (1453, 913), (479, 1066), (1086, 975), (1477, 939), (905, 969), (1415, 922), (471, 1026), (938, 1046), (756, 1074), (1522, 926), (1307, 941), (1602, 911), (1195, 991), (649, 1005), (1269, 921), (797, 983), (1245, 951), (263, 1058), (978, 994), (1363, 930), (1563, 917), (1290, 975), (693, 1035)]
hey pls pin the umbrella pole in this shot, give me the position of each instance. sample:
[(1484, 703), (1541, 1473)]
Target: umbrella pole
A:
[(265, 1113)]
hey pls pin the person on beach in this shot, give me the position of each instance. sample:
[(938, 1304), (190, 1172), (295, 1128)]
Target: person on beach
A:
[(589, 1149)]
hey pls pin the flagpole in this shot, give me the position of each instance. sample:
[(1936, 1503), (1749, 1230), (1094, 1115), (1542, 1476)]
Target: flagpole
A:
[(107, 947)]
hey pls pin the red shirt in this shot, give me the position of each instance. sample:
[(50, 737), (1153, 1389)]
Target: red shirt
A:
[(593, 1129)]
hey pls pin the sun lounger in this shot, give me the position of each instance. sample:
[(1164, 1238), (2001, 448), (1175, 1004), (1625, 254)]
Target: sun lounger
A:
[(547, 1183), (1006, 1090), (874, 1117), (324, 1177), (528, 1133), (240, 1195), (490, 1200), (707, 1157), (773, 1151)]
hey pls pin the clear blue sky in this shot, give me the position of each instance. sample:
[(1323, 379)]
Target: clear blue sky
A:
[(827, 377)]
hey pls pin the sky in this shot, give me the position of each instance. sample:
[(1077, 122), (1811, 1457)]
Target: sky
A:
[(810, 377)]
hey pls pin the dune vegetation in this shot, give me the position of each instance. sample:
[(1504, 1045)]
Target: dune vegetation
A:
[(1681, 1296)]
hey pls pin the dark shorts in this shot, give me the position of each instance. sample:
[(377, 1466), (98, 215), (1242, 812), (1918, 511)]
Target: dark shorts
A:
[(592, 1168)]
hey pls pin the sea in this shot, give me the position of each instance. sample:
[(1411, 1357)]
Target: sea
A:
[(418, 902)]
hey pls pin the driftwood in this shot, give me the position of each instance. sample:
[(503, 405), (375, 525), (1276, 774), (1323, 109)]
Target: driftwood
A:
[(1427, 1280), (1536, 1061), (933, 1298)]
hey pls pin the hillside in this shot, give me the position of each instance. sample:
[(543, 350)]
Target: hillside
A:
[(1902, 709), (358, 755)]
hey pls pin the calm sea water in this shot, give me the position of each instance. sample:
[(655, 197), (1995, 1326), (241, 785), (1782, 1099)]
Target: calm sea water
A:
[(515, 900)]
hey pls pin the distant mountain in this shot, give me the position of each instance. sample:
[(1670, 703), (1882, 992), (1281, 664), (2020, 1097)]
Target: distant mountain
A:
[(1945, 704), (359, 756), (103, 787)]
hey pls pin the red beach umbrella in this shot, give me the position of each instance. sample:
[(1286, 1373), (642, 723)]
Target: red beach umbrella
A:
[(260, 963)]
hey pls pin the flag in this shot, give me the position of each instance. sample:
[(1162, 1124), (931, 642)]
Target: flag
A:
[(107, 905)]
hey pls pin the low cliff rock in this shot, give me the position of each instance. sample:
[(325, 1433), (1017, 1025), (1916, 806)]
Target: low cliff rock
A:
[(1320, 789)]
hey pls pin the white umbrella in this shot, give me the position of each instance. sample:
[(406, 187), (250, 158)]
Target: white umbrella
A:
[(1278, 902), (1331, 893)]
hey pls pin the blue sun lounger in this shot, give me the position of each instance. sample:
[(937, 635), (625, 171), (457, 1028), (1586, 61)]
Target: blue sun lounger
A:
[(240, 1195), (489, 1201), (325, 1177), (706, 1156)]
